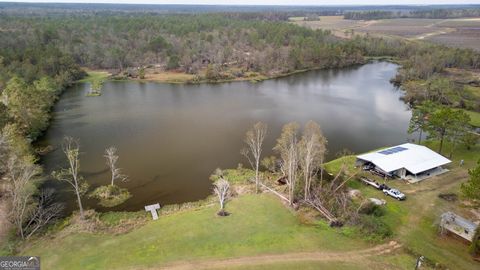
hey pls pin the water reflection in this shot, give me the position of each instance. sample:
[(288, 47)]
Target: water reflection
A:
[(171, 137)]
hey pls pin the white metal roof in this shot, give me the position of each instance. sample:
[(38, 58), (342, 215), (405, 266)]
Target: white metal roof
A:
[(415, 158)]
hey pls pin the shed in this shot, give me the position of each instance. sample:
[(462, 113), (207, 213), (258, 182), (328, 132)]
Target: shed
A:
[(458, 225), (408, 161)]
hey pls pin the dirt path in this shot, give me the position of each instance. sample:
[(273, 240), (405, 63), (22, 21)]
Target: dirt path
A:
[(320, 256), (436, 33)]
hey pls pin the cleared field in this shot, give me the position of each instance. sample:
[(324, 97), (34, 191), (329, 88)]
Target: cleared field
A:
[(336, 24), (466, 34), (460, 33)]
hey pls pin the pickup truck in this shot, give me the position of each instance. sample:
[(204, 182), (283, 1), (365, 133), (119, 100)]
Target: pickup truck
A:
[(395, 193)]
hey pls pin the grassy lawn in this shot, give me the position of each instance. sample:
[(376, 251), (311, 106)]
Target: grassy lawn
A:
[(94, 75), (475, 118), (258, 224)]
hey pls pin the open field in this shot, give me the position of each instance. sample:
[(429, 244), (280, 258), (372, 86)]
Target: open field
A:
[(461, 33), (259, 224)]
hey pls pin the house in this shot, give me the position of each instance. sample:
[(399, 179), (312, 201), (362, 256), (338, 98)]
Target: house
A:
[(408, 161), (453, 223)]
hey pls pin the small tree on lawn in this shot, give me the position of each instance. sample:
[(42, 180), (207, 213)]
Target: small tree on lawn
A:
[(71, 175), (254, 140), (221, 188)]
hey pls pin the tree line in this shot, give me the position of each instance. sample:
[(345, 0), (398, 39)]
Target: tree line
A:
[(185, 42), (33, 74), (443, 13)]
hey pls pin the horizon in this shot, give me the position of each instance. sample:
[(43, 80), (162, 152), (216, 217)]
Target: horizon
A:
[(254, 3)]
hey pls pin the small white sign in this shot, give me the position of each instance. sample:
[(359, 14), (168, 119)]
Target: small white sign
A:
[(153, 210)]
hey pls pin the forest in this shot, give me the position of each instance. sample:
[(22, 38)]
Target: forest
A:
[(435, 13)]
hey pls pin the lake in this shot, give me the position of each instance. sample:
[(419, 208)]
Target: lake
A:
[(171, 137)]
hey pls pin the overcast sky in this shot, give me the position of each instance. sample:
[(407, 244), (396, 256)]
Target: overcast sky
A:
[(268, 2)]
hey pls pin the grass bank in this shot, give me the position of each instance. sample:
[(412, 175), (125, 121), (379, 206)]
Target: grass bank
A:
[(258, 224), (474, 118), (93, 75)]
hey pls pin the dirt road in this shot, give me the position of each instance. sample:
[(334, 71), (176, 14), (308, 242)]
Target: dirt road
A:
[(321, 256)]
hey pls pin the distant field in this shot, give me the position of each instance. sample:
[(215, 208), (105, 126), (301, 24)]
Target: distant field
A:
[(465, 34), (461, 33)]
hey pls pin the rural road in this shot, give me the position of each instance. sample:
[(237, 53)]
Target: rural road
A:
[(320, 256)]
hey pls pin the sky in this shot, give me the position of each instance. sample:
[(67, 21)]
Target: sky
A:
[(266, 2)]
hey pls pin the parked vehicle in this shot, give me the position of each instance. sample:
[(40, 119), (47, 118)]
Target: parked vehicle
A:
[(374, 184), (395, 193)]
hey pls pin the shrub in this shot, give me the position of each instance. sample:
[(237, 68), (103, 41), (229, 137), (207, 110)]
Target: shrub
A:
[(372, 209), (374, 227), (111, 195)]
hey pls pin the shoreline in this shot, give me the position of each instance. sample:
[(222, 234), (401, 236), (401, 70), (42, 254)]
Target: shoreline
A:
[(172, 77)]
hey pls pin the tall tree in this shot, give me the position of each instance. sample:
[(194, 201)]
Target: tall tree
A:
[(254, 140), (419, 120), (287, 147), (444, 123), (21, 176), (459, 128), (157, 45), (71, 175), (471, 188), (312, 148)]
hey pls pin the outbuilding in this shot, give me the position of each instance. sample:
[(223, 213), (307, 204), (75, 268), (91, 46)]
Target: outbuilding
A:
[(407, 161), (453, 223)]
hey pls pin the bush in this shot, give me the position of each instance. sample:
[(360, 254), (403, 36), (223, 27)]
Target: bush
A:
[(372, 209), (111, 195), (374, 228), (475, 246)]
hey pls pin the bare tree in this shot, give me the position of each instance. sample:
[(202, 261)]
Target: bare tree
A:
[(254, 140), (221, 188), (21, 177), (71, 175), (46, 211), (287, 146), (312, 153), (112, 158)]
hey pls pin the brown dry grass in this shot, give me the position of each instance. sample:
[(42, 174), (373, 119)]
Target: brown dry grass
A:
[(460, 33), (169, 77)]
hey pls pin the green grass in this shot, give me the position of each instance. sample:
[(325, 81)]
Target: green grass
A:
[(257, 224), (94, 75), (475, 118), (470, 157), (335, 165)]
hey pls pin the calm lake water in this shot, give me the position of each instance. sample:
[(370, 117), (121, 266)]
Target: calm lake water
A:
[(170, 138)]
